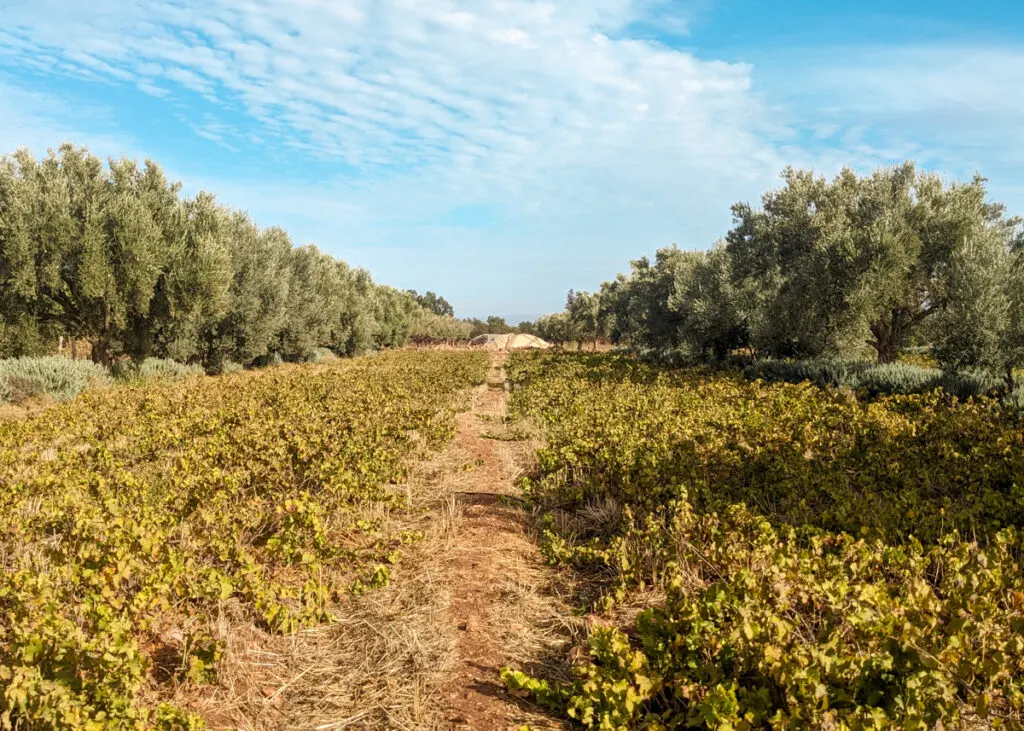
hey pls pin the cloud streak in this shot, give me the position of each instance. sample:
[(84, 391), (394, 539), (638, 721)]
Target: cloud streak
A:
[(508, 94), (588, 140)]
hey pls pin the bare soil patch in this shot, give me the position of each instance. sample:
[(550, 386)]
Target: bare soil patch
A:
[(504, 602)]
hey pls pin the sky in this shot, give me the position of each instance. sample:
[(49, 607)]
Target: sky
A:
[(501, 152)]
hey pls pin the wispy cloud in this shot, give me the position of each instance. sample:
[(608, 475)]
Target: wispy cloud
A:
[(587, 135), (152, 89), (954, 107), (509, 94), (39, 120)]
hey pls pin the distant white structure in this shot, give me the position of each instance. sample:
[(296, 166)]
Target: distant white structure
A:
[(508, 341)]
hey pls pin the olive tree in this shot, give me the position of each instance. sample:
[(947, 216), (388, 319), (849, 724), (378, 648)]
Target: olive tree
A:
[(583, 310), (831, 265)]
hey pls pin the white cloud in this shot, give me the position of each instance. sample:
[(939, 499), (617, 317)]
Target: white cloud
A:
[(597, 146), (39, 120), (186, 78), (516, 95), (153, 90), (955, 106)]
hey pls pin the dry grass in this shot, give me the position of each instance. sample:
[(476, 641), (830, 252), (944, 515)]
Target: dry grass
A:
[(381, 664), (385, 659), (534, 619), (25, 409)]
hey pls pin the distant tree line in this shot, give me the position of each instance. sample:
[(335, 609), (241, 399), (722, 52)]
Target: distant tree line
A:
[(851, 267), (432, 303), (114, 255)]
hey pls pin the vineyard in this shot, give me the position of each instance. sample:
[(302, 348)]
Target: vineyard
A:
[(131, 516), (744, 554), (776, 555), (534, 365)]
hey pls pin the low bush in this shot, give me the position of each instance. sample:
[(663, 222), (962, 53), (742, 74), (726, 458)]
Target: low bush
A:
[(131, 513), (877, 379), (761, 629), (155, 369), (896, 378), (668, 357), (972, 383), (321, 355), (918, 465), (54, 376), (228, 367), (824, 372), (1015, 401), (167, 369), (268, 360)]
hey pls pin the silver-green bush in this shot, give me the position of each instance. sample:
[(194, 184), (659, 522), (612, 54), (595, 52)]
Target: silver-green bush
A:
[(321, 355), (1015, 400), (270, 360), (165, 368), (821, 371), (53, 376), (876, 379), (898, 378), (154, 369)]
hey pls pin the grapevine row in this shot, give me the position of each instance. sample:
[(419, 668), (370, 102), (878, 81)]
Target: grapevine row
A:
[(822, 563), (130, 517)]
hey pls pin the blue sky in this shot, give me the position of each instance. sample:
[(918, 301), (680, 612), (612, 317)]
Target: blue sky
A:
[(500, 152)]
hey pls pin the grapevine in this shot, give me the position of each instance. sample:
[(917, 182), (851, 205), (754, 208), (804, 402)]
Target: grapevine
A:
[(129, 517), (823, 562)]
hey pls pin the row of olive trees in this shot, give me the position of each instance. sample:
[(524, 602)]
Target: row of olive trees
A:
[(117, 257), (580, 322), (847, 267)]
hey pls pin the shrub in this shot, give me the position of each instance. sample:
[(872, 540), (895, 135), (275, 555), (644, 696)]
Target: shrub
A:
[(669, 357), (54, 376), (900, 465), (824, 372), (971, 383), (167, 369), (268, 360), (761, 629), (877, 379), (1015, 401), (153, 369), (133, 510), (228, 367), (896, 378), (321, 355)]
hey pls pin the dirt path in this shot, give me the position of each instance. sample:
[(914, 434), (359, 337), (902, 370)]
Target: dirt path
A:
[(500, 585), (424, 653)]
